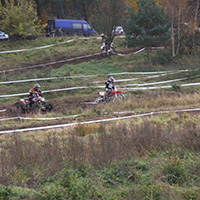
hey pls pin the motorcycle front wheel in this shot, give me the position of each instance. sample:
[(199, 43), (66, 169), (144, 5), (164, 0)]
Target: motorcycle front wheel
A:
[(112, 50), (119, 97), (99, 100), (104, 52), (47, 107)]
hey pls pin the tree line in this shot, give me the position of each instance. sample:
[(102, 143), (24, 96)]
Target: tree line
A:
[(146, 22), (174, 23), (22, 18)]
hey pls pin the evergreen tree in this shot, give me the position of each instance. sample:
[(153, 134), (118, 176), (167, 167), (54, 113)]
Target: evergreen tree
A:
[(147, 26)]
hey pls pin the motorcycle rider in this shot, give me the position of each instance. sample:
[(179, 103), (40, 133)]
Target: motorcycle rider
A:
[(107, 42), (33, 92), (104, 39), (109, 87)]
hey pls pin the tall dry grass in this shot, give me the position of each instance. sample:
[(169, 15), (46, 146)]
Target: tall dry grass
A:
[(114, 143), (156, 101)]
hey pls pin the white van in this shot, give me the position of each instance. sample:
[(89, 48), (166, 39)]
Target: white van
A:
[(3, 36), (118, 30)]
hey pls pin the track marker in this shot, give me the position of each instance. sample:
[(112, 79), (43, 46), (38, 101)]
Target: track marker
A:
[(97, 121)]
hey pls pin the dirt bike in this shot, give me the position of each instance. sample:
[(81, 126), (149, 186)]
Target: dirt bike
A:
[(38, 104), (113, 96), (106, 50)]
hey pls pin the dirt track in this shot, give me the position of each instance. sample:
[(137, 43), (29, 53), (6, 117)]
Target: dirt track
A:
[(81, 60), (11, 109), (61, 107), (60, 61)]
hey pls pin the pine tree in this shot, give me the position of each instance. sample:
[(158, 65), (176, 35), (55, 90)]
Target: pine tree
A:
[(147, 26)]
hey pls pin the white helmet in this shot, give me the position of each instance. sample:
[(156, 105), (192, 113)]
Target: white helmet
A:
[(36, 87), (111, 79)]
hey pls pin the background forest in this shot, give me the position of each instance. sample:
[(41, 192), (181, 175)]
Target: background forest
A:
[(28, 19)]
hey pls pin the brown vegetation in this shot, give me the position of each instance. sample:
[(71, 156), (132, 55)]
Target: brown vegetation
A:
[(114, 143)]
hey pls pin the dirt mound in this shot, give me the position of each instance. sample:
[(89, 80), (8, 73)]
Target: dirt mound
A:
[(60, 61)]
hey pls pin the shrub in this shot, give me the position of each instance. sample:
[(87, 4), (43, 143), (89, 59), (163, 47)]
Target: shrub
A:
[(190, 194), (144, 192), (19, 18), (51, 191), (174, 172), (5, 193), (79, 185), (83, 130)]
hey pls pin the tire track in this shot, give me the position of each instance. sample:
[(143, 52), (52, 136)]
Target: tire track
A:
[(50, 63)]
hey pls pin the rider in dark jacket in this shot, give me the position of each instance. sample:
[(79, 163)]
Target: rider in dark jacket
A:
[(33, 92), (109, 86), (104, 38)]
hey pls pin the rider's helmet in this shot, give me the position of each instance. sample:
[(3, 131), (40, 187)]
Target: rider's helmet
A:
[(36, 87), (111, 79), (102, 35)]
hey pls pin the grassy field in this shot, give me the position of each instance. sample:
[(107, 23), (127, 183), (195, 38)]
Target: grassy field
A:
[(75, 48), (153, 157), (72, 102), (156, 158)]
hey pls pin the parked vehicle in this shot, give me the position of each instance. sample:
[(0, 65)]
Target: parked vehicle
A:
[(39, 104), (115, 95), (118, 30), (3, 36), (69, 27)]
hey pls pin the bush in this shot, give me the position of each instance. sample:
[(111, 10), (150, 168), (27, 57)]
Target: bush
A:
[(174, 172), (162, 57), (19, 19), (15, 193), (5, 193), (79, 185), (52, 191), (190, 194)]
